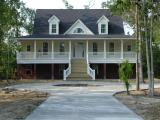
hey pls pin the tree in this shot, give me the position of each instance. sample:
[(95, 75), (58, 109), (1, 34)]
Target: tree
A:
[(90, 4), (125, 72), (14, 18), (145, 7), (67, 5)]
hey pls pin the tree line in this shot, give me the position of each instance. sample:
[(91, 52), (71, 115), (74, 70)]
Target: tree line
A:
[(15, 19), (144, 17)]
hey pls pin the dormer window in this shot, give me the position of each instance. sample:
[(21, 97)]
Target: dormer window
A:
[(78, 30), (103, 25), (53, 25), (54, 28), (103, 28)]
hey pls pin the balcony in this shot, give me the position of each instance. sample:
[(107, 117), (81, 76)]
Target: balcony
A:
[(42, 57), (111, 57), (64, 57)]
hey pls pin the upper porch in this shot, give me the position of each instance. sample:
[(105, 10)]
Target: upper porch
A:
[(62, 51)]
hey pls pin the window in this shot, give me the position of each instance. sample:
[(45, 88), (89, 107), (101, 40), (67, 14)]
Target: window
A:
[(78, 30), (45, 47), (103, 28), (95, 47), (111, 47), (54, 30), (62, 49), (129, 48), (28, 48)]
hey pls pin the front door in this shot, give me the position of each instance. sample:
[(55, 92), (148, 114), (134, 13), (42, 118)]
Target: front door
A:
[(79, 50)]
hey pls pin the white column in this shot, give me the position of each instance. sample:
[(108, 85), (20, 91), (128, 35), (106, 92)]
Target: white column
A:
[(35, 49), (70, 49), (121, 49), (87, 51), (104, 49), (52, 50)]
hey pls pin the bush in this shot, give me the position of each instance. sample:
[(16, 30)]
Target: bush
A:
[(125, 72)]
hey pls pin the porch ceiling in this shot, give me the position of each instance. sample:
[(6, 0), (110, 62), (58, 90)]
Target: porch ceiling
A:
[(76, 37)]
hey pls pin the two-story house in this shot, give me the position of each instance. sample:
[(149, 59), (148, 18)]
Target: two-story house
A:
[(75, 44)]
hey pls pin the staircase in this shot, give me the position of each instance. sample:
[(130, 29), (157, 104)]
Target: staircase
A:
[(78, 70)]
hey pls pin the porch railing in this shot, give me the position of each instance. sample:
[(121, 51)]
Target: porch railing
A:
[(42, 55), (111, 55)]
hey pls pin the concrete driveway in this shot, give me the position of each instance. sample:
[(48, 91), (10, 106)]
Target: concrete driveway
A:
[(80, 103)]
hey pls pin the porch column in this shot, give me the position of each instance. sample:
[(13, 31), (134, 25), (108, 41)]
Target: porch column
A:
[(69, 50), (35, 49), (104, 49), (34, 70), (104, 67), (52, 71), (87, 51), (121, 49), (52, 50)]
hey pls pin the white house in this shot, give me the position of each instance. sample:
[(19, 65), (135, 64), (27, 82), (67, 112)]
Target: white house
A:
[(75, 44)]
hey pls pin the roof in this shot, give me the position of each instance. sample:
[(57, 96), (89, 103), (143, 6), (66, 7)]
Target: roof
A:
[(68, 17), (74, 37)]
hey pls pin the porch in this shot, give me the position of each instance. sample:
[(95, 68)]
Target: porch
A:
[(94, 51)]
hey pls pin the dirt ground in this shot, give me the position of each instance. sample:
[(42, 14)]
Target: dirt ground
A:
[(139, 101), (18, 104)]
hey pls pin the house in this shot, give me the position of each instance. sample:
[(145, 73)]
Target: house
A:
[(75, 44)]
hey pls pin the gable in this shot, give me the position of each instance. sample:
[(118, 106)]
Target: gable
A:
[(79, 25), (53, 19), (103, 19)]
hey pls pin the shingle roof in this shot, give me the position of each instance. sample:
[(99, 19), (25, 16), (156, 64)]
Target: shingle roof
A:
[(68, 16)]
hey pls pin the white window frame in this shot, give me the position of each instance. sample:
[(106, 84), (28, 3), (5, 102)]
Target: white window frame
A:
[(55, 25), (76, 31), (53, 21), (103, 29)]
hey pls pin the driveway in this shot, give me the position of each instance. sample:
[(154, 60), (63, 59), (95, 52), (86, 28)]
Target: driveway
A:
[(93, 102)]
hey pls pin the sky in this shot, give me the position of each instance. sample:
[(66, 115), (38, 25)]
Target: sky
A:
[(58, 4)]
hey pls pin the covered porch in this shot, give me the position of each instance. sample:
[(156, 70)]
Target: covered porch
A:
[(62, 51)]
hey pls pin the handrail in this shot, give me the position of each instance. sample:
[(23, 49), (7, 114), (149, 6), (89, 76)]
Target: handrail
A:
[(91, 72), (67, 71)]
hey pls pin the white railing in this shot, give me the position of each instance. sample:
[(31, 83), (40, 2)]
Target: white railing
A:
[(131, 55), (91, 72), (67, 72), (25, 55), (42, 55), (111, 56), (95, 55)]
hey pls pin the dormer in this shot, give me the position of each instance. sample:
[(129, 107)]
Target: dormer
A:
[(53, 25), (79, 28), (103, 25)]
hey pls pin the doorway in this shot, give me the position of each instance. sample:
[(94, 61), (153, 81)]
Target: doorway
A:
[(78, 50)]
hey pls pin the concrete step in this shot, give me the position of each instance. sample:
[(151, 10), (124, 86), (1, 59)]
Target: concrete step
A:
[(78, 70), (78, 75), (79, 78)]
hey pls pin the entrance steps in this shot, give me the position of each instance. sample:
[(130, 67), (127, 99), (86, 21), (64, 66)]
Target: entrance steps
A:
[(78, 70)]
